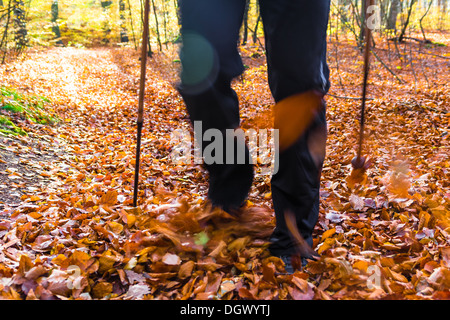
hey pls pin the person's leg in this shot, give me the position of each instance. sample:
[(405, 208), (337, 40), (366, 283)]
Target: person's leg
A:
[(295, 34), (210, 60), (295, 187)]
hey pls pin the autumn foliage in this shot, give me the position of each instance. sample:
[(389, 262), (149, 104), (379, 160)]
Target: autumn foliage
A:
[(382, 234)]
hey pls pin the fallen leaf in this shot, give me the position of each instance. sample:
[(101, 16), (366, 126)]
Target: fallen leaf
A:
[(171, 259)]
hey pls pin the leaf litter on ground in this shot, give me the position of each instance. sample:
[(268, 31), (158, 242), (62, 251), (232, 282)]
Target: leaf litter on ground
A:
[(384, 235)]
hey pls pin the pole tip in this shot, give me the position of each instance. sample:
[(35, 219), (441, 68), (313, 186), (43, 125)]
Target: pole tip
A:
[(358, 162)]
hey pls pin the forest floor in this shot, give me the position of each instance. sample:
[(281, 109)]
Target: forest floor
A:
[(68, 228)]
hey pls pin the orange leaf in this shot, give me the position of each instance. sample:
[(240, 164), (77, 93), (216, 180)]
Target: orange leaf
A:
[(244, 293), (101, 289), (109, 198), (328, 233), (185, 270)]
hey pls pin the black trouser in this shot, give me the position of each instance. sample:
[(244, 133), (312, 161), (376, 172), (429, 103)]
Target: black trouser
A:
[(295, 38)]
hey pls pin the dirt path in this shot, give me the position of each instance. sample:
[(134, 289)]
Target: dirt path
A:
[(35, 164), (88, 83), (26, 167)]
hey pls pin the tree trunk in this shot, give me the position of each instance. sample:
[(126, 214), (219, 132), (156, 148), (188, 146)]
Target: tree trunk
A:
[(158, 36), (55, 26), (255, 32), (343, 7), (149, 51), (123, 25), (165, 14), (177, 4), (20, 37), (393, 13), (106, 26), (402, 33), (4, 42), (245, 33), (362, 24), (420, 22), (132, 26), (442, 4)]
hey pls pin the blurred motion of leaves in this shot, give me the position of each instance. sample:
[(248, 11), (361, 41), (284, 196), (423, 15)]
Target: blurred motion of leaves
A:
[(383, 232)]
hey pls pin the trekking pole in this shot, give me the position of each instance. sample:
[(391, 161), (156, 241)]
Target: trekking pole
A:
[(359, 161), (140, 118)]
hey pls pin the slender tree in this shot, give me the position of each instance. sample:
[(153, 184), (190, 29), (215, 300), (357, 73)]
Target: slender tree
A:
[(394, 10), (362, 16), (245, 24), (442, 4), (20, 27), (158, 36), (106, 26), (149, 51), (421, 19), (4, 41), (54, 20), (132, 25), (176, 4), (343, 10), (123, 22), (408, 17)]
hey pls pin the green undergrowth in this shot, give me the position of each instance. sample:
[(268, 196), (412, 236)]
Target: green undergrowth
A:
[(17, 109)]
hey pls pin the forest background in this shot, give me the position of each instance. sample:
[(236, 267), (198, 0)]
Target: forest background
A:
[(103, 23)]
